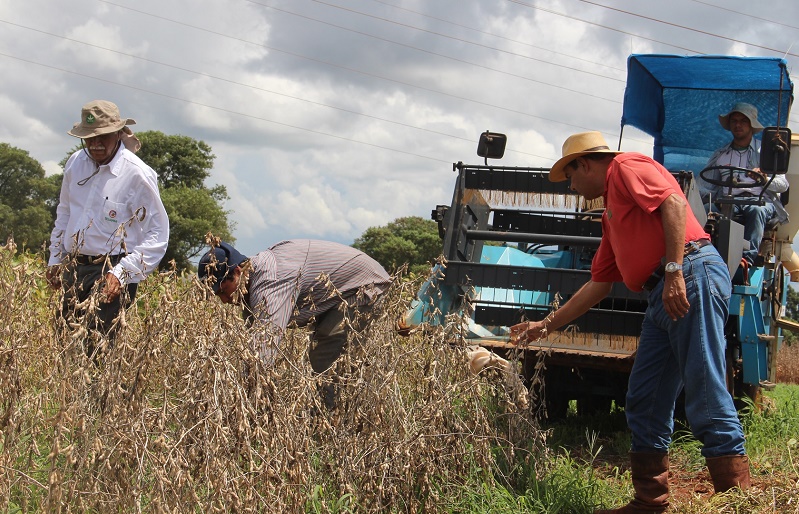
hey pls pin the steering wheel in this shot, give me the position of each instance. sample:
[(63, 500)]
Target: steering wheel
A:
[(598, 210), (731, 181)]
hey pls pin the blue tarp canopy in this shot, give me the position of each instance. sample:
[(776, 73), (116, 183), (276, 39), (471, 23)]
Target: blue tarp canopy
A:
[(678, 99)]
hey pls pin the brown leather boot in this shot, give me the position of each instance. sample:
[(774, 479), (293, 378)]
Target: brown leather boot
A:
[(729, 471), (650, 473)]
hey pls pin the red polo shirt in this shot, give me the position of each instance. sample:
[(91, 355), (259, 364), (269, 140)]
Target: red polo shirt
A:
[(632, 231)]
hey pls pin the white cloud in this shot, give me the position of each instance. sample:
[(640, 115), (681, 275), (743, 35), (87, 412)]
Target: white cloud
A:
[(322, 209), (99, 54), (322, 131)]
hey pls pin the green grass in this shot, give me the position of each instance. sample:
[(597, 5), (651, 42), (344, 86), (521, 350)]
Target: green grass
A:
[(583, 466), (418, 433), (772, 433)]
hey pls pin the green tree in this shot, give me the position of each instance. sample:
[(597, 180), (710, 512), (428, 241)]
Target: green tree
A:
[(26, 198), (179, 160), (792, 304), (410, 240), (792, 313), (193, 212), (183, 164), (54, 188)]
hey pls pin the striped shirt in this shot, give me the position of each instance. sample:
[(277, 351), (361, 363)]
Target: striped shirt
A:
[(739, 159), (748, 158), (296, 280)]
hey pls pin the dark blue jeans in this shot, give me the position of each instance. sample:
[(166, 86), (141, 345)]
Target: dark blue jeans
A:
[(688, 353), (754, 219), (330, 340), (80, 282)]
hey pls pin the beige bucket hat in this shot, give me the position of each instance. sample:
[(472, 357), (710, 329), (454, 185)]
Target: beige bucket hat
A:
[(748, 110), (99, 117), (576, 146)]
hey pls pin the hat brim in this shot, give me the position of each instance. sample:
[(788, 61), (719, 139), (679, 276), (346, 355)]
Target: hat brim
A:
[(724, 120), (557, 173), (82, 132), (213, 273), (215, 283), (213, 278)]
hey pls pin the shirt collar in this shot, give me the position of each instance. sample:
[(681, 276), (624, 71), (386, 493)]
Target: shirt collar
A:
[(752, 146)]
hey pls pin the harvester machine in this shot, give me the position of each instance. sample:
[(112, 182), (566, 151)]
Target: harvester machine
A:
[(516, 246)]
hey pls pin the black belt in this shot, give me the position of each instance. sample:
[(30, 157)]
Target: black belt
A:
[(88, 260), (657, 275)]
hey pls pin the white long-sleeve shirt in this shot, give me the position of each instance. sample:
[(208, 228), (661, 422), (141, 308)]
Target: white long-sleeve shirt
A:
[(116, 211)]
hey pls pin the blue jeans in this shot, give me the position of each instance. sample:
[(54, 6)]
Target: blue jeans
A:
[(687, 353), (754, 218)]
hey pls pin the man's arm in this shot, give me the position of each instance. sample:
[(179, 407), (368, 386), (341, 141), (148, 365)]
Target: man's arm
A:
[(588, 296), (57, 236), (272, 309), (672, 211), (153, 222), (778, 185)]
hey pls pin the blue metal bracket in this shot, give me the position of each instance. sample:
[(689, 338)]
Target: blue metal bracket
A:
[(754, 351)]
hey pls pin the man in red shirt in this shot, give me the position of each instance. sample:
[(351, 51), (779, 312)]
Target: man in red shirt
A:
[(652, 241)]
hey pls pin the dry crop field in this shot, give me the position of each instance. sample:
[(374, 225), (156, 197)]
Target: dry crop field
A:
[(182, 417), (788, 364)]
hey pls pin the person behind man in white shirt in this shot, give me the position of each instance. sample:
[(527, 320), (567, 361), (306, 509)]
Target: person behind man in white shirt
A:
[(744, 152), (329, 287), (111, 228)]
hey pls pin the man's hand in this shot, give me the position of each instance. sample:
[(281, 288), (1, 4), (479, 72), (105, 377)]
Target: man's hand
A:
[(756, 174), (675, 301), (53, 276), (527, 331), (111, 288)]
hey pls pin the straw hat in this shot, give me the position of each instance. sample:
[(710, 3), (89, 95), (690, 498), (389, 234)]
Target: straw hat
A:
[(99, 117), (748, 110), (576, 146)]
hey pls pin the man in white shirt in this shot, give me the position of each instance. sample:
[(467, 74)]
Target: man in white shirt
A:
[(744, 152), (111, 229)]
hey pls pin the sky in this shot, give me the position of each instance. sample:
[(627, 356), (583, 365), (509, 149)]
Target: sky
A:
[(330, 117)]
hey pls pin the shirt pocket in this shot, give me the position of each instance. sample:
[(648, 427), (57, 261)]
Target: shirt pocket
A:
[(111, 216)]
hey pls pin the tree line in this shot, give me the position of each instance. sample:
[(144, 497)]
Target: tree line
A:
[(28, 198), (28, 201)]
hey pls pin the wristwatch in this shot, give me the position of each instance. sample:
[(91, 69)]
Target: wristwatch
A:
[(671, 267)]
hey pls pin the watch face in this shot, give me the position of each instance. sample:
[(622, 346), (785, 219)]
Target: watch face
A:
[(672, 267)]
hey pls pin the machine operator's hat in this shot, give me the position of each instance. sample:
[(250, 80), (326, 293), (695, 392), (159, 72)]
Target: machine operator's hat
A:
[(748, 110), (576, 146), (218, 263)]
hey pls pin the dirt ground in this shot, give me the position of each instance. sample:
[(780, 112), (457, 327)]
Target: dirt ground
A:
[(684, 484), (691, 488)]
